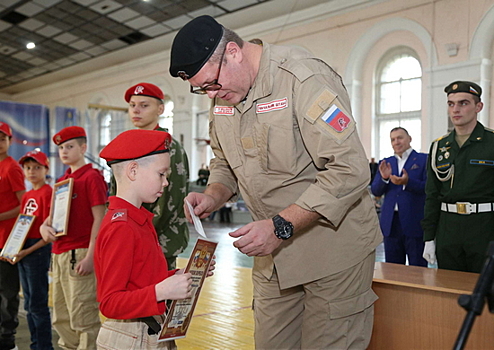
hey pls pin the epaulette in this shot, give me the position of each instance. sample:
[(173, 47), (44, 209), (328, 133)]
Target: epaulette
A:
[(297, 68), (488, 129), (442, 137), (119, 215)]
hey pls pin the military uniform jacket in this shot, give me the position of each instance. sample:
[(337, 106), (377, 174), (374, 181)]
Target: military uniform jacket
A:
[(294, 141), (471, 179)]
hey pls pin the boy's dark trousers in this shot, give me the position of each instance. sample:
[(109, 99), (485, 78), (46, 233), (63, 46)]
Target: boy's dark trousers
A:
[(9, 299)]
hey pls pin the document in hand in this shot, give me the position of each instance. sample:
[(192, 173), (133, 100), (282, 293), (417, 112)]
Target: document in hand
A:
[(181, 311)]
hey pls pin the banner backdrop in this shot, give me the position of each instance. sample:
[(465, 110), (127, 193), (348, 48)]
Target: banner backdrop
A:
[(30, 127)]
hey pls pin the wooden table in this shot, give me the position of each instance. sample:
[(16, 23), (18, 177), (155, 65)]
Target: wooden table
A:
[(418, 309)]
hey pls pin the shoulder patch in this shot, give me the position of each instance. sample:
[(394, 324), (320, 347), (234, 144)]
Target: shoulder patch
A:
[(119, 215), (327, 112)]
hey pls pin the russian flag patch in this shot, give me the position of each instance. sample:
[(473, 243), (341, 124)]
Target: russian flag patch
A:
[(335, 118)]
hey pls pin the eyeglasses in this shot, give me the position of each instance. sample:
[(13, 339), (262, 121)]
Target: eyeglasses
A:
[(214, 86)]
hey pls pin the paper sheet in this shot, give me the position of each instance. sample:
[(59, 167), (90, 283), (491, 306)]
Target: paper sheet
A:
[(196, 221)]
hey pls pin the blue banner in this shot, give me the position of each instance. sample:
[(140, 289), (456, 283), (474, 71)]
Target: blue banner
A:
[(30, 127)]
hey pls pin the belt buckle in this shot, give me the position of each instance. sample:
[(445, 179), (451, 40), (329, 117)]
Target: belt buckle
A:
[(463, 208)]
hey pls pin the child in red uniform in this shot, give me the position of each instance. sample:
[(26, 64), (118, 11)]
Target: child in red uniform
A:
[(133, 281), (34, 258), (11, 190), (75, 310)]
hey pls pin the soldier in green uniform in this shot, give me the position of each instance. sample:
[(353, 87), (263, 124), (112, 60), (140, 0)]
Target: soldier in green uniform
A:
[(459, 218), (145, 106)]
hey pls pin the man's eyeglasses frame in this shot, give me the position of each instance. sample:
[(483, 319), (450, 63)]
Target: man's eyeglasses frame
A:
[(214, 85)]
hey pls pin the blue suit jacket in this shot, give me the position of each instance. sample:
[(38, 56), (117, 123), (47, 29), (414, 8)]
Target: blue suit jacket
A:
[(411, 200)]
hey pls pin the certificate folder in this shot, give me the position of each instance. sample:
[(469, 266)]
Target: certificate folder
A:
[(180, 312)]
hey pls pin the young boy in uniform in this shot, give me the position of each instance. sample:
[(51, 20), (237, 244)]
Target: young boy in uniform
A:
[(133, 278), (75, 310), (11, 190), (34, 258)]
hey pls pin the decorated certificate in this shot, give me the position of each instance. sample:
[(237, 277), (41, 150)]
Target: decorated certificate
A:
[(60, 206), (181, 311), (17, 236)]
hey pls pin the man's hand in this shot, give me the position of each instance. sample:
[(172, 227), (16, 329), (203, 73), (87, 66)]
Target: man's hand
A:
[(47, 232), (178, 286), (430, 252), (85, 266), (257, 238), (203, 205), (385, 170), (400, 180)]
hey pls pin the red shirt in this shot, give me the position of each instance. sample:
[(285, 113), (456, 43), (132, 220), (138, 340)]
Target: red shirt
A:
[(11, 181), (90, 190), (128, 263), (37, 203)]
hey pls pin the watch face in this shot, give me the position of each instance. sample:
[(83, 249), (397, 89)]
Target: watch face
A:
[(283, 229)]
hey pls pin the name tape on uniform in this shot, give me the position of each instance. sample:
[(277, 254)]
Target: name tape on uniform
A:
[(272, 106)]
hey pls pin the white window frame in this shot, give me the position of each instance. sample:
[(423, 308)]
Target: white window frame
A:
[(401, 118)]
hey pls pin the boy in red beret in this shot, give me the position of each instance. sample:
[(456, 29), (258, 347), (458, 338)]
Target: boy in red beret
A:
[(34, 258), (75, 310), (133, 278), (11, 190), (145, 107)]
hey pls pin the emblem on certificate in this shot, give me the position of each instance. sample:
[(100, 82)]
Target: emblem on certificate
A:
[(180, 311), (60, 206), (17, 236)]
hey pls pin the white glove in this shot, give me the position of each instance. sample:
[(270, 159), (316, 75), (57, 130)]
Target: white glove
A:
[(430, 252)]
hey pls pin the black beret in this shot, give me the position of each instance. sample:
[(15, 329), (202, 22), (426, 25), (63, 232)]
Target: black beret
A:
[(463, 86), (193, 46)]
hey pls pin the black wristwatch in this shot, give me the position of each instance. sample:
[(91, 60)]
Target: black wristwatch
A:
[(283, 229)]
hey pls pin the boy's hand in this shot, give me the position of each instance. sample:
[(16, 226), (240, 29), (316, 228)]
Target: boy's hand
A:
[(47, 232), (176, 287), (85, 266), (18, 257), (211, 267)]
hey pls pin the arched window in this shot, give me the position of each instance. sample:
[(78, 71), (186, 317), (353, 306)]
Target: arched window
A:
[(398, 98), (166, 119)]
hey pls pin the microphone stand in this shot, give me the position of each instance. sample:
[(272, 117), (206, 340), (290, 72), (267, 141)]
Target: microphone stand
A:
[(474, 304)]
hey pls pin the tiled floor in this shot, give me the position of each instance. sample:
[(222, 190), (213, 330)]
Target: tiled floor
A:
[(224, 304)]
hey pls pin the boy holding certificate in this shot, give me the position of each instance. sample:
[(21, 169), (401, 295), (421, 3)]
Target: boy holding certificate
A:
[(11, 190), (34, 258), (133, 278), (75, 310)]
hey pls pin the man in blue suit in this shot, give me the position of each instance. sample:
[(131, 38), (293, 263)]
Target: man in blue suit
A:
[(401, 179)]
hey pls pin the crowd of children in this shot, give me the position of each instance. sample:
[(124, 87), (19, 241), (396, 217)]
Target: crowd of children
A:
[(128, 295)]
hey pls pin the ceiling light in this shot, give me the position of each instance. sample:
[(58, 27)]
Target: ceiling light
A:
[(31, 46)]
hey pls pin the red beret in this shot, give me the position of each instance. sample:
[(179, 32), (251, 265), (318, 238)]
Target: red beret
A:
[(5, 128), (68, 133), (38, 156), (144, 89), (134, 144)]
